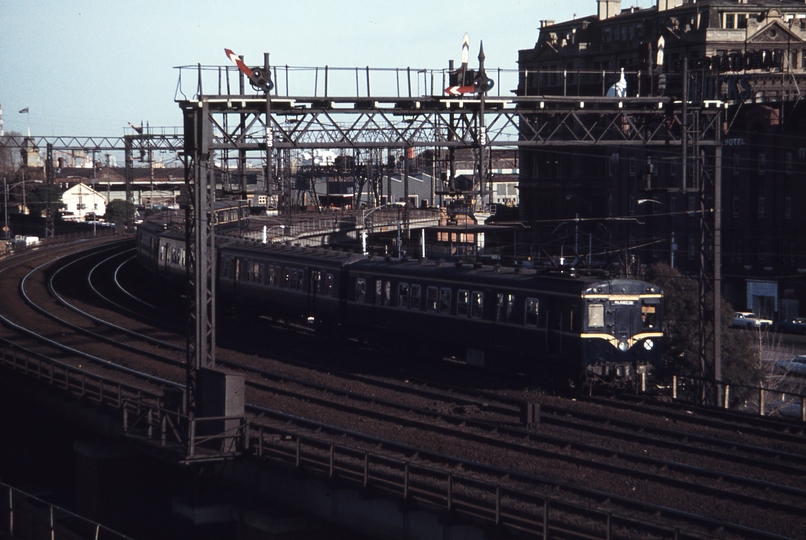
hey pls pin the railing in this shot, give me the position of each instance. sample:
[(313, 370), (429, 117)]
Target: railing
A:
[(23, 515), (198, 439), (479, 501), (765, 401), (78, 381), (327, 81)]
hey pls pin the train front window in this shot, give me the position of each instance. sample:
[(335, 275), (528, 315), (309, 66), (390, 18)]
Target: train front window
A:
[(463, 303), (596, 317), (649, 317), (416, 295), (360, 290), (532, 305), (403, 295)]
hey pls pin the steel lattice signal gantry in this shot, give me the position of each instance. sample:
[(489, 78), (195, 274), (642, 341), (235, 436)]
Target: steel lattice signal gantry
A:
[(220, 129)]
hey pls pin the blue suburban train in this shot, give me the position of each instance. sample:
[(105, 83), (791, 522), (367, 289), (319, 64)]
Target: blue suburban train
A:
[(552, 325)]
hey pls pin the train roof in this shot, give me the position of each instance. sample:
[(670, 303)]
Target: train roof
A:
[(487, 276), (295, 254)]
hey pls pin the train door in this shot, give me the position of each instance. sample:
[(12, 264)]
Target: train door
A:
[(312, 292), (626, 320), (164, 258)]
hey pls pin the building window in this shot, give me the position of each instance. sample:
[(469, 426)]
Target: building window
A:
[(788, 163), (761, 209), (762, 163), (733, 21), (736, 164), (788, 207), (736, 206)]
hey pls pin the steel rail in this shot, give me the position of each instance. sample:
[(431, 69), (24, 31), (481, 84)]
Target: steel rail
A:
[(651, 510), (521, 434)]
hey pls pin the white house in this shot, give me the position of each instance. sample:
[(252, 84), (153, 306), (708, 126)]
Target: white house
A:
[(81, 200)]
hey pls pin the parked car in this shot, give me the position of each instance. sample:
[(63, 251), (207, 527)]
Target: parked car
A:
[(792, 326), (796, 366), (748, 319)]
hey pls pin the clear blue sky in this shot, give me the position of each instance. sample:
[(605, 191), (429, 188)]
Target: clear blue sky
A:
[(89, 67)]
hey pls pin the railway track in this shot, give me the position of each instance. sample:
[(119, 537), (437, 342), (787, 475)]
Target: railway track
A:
[(626, 459)]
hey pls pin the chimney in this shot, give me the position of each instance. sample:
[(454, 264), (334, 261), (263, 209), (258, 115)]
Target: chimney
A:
[(611, 8), (663, 5)]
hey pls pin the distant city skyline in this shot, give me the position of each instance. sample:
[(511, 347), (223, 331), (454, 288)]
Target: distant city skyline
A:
[(90, 67)]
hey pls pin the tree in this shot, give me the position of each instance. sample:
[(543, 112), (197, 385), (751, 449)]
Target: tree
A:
[(116, 211), (37, 199), (9, 158), (740, 362)]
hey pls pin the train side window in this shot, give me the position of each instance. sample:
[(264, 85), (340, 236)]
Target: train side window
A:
[(387, 293), (532, 305), (403, 295), (431, 295), (596, 315), (378, 291), (360, 290), (445, 300), (416, 296), (260, 271), (463, 303), (329, 285), (286, 277), (316, 281), (300, 279), (477, 304), (505, 307)]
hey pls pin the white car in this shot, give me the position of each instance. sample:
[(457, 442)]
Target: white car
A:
[(748, 319), (796, 366)]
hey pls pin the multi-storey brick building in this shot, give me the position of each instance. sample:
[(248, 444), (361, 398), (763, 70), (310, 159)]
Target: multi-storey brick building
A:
[(619, 204)]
